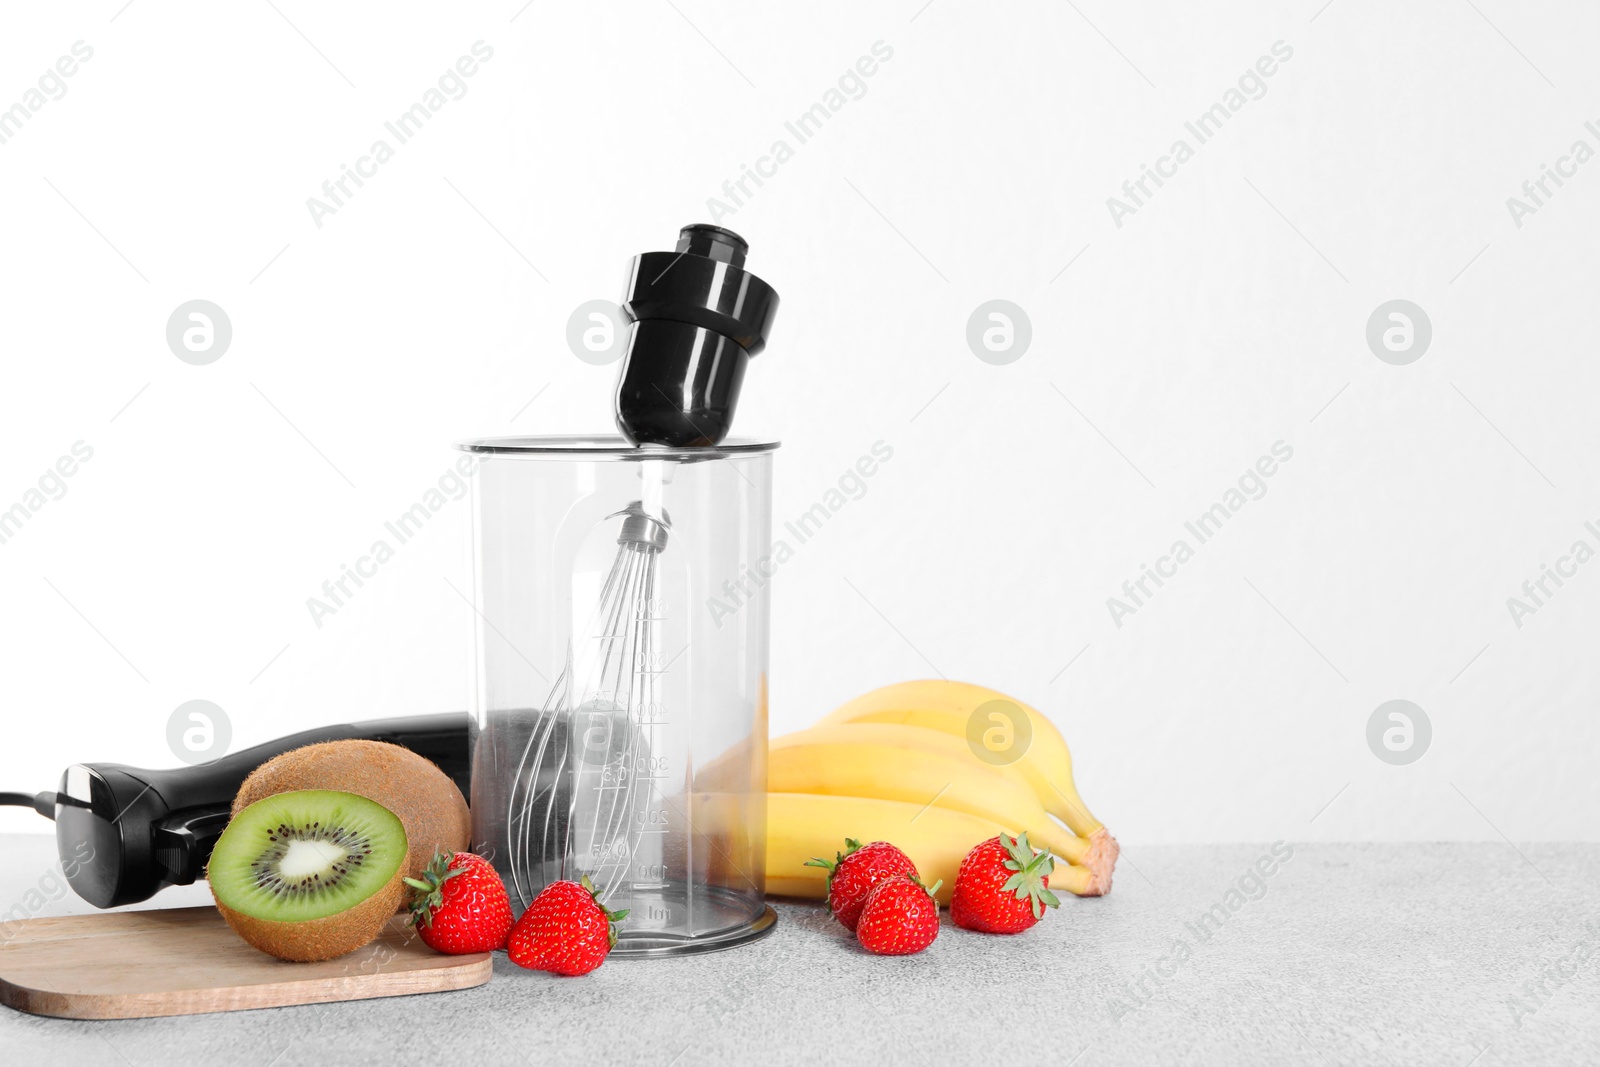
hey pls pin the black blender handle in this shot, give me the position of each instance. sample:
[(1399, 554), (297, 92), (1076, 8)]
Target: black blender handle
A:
[(124, 833)]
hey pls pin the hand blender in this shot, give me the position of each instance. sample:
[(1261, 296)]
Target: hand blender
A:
[(123, 833)]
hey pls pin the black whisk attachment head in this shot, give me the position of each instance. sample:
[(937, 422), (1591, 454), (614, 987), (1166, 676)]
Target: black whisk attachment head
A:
[(695, 316)]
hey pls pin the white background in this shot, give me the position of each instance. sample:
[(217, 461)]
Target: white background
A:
[(1227, 314)]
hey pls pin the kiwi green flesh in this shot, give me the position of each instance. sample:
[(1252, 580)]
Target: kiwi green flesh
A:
[(307, 855)]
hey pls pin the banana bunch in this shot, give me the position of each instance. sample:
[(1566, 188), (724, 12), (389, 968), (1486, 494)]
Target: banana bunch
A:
[(895, 765)]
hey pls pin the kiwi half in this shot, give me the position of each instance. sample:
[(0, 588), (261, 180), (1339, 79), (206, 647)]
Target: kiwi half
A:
[(309, 875)]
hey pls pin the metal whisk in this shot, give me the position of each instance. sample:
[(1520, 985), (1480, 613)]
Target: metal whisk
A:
[(575, 801)]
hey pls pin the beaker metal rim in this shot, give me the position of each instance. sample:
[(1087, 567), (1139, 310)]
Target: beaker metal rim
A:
[(610, 446)]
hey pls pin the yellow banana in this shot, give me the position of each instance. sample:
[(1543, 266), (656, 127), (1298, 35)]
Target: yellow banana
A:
[(887, 770), (801, 826), (948, 707)]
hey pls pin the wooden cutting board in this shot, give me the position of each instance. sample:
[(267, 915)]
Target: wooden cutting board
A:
[(186, 961)]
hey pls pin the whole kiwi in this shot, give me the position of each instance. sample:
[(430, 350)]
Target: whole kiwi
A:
[(424, 798)]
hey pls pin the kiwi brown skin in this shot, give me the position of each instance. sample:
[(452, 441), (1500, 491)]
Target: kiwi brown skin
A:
[(422, 797), (325, 938)]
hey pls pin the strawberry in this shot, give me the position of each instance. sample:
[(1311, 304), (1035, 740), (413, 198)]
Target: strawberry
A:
[(459, 905), (900, 917), (1003, 886), (565, 930), (853, 873)]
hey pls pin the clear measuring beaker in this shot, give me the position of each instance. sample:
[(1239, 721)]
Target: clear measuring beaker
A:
[(620, 693)]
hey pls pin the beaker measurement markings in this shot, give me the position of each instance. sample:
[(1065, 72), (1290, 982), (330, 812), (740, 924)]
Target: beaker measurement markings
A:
[(652, 885)]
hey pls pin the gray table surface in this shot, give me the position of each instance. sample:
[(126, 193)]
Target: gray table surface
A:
[(1346, 954)]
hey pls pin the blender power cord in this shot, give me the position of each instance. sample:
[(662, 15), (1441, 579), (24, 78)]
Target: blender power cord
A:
[(43, 803)]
